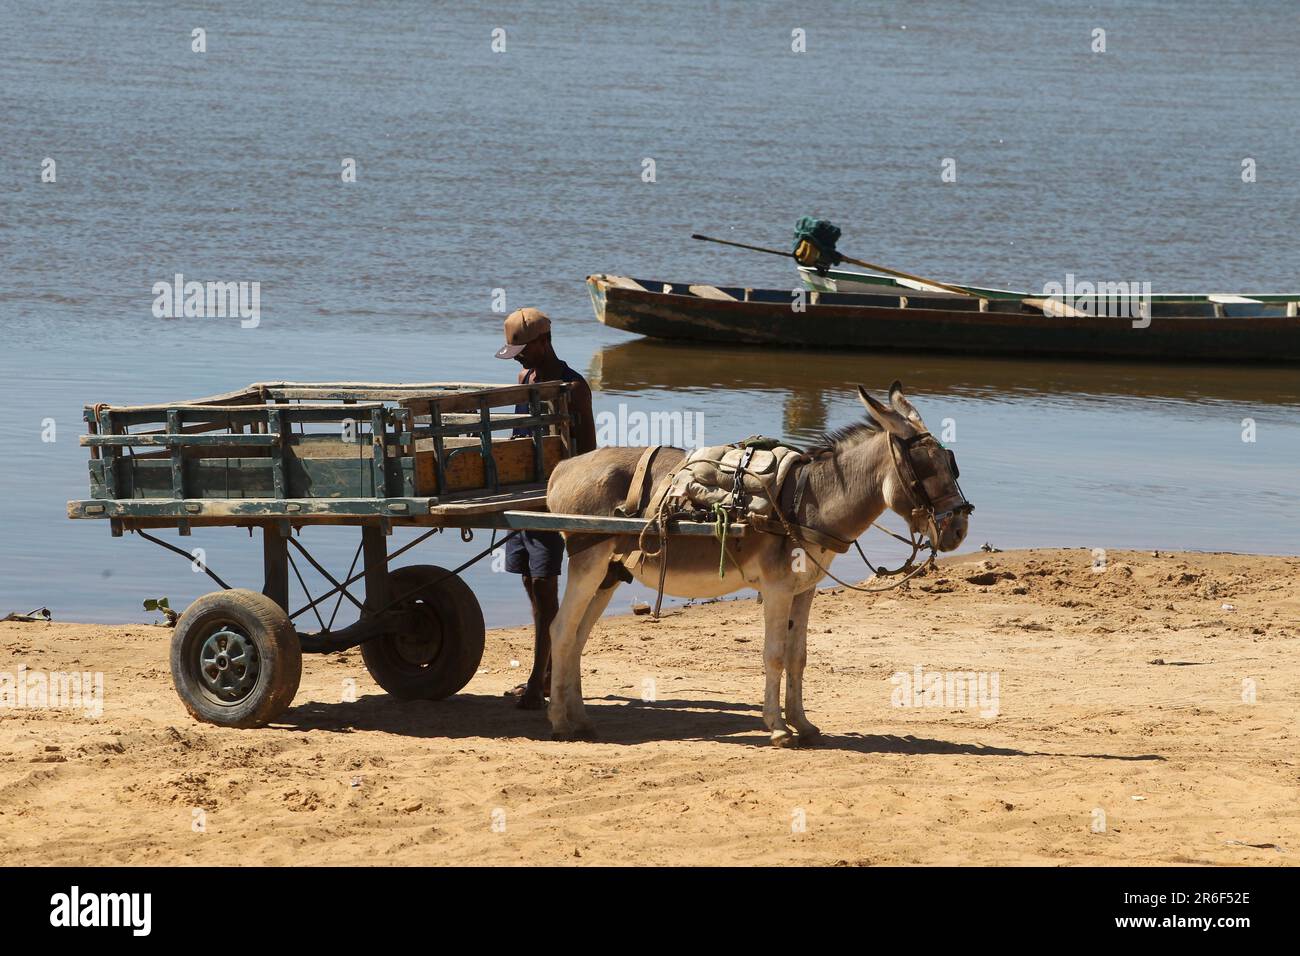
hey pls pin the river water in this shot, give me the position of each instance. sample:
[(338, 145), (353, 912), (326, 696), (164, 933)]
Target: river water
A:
[(524, 171)]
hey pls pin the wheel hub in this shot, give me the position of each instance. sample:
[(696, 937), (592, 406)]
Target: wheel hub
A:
[(228, 664), (420, 639)]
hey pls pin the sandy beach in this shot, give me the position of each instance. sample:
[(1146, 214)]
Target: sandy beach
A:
[(1144, 713)]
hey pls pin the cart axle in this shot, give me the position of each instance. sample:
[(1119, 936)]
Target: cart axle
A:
[(356, 634)]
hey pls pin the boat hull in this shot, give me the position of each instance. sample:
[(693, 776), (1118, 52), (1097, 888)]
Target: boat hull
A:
[(912, 323)]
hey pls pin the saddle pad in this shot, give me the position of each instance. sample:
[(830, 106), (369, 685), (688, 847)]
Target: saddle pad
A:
[(708, 478)]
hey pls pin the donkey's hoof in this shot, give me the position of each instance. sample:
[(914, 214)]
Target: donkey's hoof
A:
[(575, 733), (809, 736), (783, 738)]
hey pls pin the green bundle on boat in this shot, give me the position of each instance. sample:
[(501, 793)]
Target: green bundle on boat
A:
[(814, 243)]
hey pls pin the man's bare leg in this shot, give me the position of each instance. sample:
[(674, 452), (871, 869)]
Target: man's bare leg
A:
[(543, 593)]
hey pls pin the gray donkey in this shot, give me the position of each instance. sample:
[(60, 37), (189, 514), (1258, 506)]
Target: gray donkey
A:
[(889, 461)]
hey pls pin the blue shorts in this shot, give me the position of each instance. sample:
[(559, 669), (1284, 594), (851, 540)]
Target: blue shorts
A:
[(539, 554)]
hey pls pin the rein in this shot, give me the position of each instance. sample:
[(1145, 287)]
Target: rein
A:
[(908, 568)]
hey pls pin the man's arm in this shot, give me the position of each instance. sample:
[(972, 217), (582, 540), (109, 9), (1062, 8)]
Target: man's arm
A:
[(585, 419)]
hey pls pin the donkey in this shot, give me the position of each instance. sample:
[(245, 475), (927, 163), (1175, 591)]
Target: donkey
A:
[(853, 477)]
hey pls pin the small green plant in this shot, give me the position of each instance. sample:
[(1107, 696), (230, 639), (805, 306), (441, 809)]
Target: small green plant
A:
[(161, 605)]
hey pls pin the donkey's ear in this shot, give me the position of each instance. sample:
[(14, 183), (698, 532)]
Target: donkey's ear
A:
[(883, 415), (905, 408)]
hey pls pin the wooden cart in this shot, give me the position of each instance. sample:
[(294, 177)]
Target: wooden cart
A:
[(285, 456)]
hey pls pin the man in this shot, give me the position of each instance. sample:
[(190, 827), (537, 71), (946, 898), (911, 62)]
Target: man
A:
[(538, 555)]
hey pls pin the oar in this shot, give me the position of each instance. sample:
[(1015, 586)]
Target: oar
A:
[(1049, 307), (857, 262), (1053, 308)]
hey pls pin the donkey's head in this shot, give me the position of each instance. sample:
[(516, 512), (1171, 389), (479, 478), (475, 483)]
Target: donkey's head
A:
[(922, 484)]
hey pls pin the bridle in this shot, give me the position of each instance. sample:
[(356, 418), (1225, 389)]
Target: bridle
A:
[(936, 509), (914, 471)]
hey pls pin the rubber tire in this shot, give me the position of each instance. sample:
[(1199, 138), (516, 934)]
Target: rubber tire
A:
[(457, 627), (279, 653)]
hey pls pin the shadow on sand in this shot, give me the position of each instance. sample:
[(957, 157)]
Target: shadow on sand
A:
[(618, 720)]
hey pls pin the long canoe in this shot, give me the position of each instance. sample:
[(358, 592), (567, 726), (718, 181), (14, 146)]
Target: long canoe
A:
[(1220, 328)]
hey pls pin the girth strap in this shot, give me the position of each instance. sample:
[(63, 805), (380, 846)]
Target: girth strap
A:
[(790, 504), (634, 505), (636, 493)]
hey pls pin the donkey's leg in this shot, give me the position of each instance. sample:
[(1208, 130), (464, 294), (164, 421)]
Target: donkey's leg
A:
[(586, 572), (777, 598), (796, 656), (577, 709)]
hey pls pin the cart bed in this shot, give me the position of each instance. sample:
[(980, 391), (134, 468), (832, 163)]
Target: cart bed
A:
[(339, 453), (326, 453)]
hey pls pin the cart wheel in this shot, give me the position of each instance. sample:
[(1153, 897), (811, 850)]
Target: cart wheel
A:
[(439, 657), (236, 660)]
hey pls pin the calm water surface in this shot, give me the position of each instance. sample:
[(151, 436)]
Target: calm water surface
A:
[(522, 171)]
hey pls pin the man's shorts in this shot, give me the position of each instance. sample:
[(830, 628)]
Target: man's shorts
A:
[(539, 554)]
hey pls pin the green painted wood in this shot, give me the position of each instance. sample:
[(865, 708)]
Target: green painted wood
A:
[(215, 478), (246, 415), (381, 393), (362, 508), (378, 474), (276, 428), (178, 479), (287, 508), (170, 440), (485, 449), (439, 446), (108, 454), (191, 461)]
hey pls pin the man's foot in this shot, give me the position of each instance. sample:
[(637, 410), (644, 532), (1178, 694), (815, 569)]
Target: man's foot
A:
[(529, 700), (520, 689)]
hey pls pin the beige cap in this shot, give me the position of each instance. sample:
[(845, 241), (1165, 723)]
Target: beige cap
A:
[(522, 327)]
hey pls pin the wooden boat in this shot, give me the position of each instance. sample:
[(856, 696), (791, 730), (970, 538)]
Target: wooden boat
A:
[(1211, 328)]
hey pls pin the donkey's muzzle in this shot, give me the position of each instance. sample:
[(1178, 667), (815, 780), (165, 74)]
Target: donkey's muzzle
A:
[(946, 529)]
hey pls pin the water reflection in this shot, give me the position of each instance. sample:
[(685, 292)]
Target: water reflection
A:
[(807, 379)]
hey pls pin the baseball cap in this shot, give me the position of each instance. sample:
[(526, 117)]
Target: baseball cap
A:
[(522, 327)]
